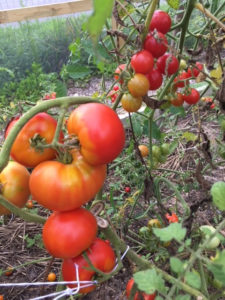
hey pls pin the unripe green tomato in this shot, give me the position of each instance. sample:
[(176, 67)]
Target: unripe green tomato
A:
[(156, 151), (217, 284), (165, 149), (222, 125), (215, 241), (162, 159), (183, 64)]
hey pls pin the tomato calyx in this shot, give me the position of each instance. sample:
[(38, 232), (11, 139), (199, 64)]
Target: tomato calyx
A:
[(38, 142), (65, 157)]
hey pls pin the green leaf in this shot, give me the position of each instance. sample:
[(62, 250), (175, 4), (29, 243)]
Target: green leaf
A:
[(218, 194), (193, 279), (173, 231), (78, 71), (217, 267), (98, 18), (176, 265), (174, 3), (189, 136), (178, 111), (183, 297), (149, 281), (156, 133), (61, 89)]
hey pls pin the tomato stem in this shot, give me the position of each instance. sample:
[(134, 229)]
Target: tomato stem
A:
[(151, 10)]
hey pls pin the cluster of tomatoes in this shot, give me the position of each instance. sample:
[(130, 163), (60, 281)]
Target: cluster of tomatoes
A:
[(66, 184)]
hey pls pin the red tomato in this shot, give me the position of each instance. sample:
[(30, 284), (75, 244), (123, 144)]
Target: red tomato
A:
[(137, 295), (181, 80), (172, 218), (67, 234), (161, 21), (192, 97), (138, 85), (131, 103), (193, 72), (112, 94), (177, 100), (127, 189), (99, 130), (14, 185), (168, 64), (42, 125), (62, 187), (142, 62), (155, 79), (156, 43), (118, 72), (29, 204)]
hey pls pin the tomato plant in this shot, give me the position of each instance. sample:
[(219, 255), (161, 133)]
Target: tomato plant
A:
[(14, 185), (156, 43), (99, 144), (160, 21), (142, 62), (168, 64), (62, 187), (131, 103), (192, 97), (155, 79), (40, 128), (67, 234), (138, 85), (144, 150), (138, 295)]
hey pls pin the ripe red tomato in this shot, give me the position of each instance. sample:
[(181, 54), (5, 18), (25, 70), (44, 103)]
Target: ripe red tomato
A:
[(142, 62), (99, 130), (14, 185), (172, 218), (112, 94), (29, 204), (64, 187), (68, 234), (177, 100), (118, 71), (181, 80), (127, 189), (168, 64), (156, 43), (137, 295), (160, 21), (138, 85), (155, 79), (41, 125), (193, 72), (192, 97), (131, 103)]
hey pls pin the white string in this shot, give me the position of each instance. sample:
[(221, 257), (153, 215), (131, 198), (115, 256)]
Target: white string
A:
[(122, 257)]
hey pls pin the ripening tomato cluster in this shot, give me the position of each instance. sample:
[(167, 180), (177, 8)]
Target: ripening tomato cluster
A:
[(138, 295), (66, 184)]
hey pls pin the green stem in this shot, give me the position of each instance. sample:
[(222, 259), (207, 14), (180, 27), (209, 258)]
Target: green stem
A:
[(203, 279), (151, 10), (150, 121), (21, 213), (59, 127)]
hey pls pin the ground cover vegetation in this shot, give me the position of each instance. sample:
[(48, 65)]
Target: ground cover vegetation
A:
[(120, 193)]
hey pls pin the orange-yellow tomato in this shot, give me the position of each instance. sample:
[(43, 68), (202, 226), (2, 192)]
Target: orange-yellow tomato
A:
[(138, 85), (14, 185), (144, 150), (51, 276), (131, 103)]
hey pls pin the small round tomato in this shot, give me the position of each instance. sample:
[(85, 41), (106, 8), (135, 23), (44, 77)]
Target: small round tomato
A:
[(156, 151), (131, 103), (127, 189), (29, 204), (142, 62), (39, 128), (99, 130), (9, 271), (62, 187), (155, 79), (67, 234), (14, 185), (168, 64), (181, 80), (172, 218), (160, 21), (138, 85), (156, 43), (177, 100), (118, 72), (138, 295), (194, 71), (51, 276), (113, 93), (165, 148), (192, 97), (144, 150)]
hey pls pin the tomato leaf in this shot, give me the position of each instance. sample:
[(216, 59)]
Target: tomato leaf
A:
[(97, 20), (173, 231), (193, 279), (174, 3), (183, 297), (78, 71), (218, 192), (217, 267), (60, 89), (177, 111), (176, 265), (149, 281)]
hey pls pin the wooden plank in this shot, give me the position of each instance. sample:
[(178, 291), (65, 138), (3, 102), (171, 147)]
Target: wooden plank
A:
[(48, 10)]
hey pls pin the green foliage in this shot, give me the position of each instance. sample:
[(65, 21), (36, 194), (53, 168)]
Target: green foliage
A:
[(217, 267), (173, 231), (150, 281), (218, 194), (174, 3), (193, 279)]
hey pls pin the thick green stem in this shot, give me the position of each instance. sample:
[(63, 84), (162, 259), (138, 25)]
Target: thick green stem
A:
[(59, 127), (44, 106), (151, 10)]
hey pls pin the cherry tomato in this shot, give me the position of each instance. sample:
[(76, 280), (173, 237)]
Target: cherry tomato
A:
[(156, 43), (155, 79), (127, 189), (62, 187), (51, 276), (9, 271), (193, 72), (192, 97), (156, 151), (67, 234), (165, 148), (182, 80), (161, 21), (131, 103), (99, 130), (144, 150), (29, 204), (142, 62), (168, 64), (1, 297), (42, 126), (118, 72), (112, 94), (138, 295), (172, 218), (177, 99), (138, 85), (14, 185)]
